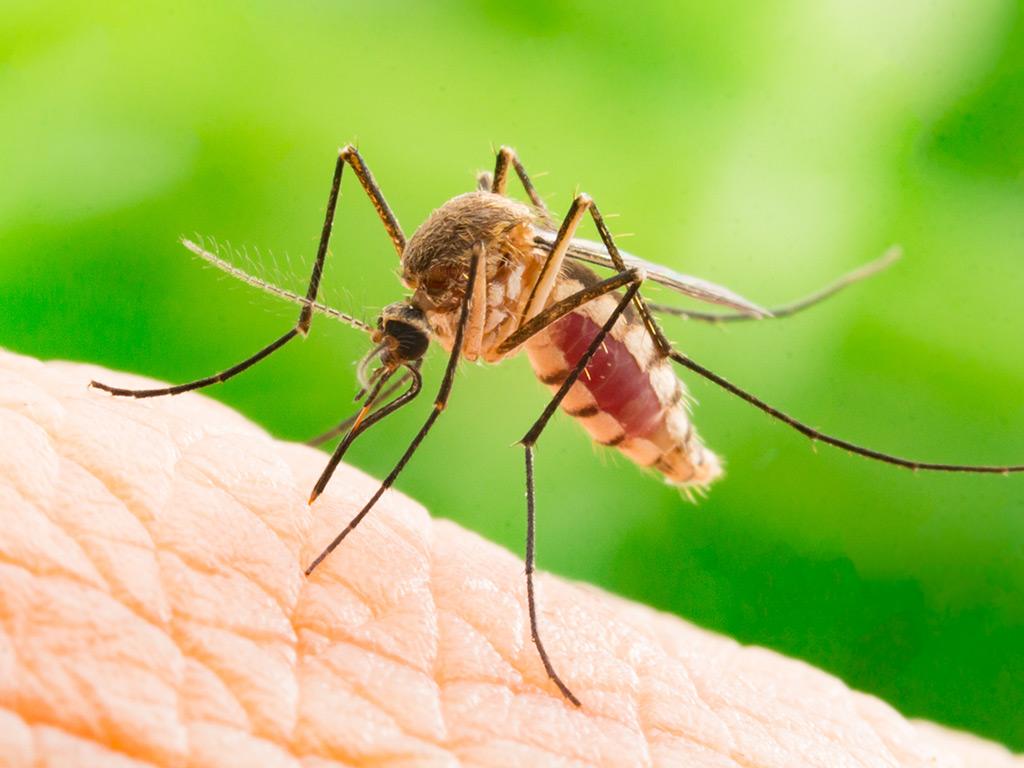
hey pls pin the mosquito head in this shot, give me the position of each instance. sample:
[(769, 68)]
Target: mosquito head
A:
[(402, 334)]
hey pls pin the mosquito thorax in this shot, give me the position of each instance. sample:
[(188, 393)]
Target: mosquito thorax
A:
[(403, 332), (435, 264)]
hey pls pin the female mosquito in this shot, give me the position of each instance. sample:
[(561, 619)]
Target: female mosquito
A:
[(491, 276)]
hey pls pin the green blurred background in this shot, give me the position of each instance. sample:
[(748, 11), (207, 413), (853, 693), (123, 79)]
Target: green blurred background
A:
[(768, 146)]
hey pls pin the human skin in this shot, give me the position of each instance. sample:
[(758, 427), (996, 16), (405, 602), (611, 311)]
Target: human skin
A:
[(153, 611)]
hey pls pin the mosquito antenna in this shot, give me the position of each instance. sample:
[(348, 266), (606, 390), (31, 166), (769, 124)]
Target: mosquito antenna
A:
[(835, 441), (272, 289), (863, 272)]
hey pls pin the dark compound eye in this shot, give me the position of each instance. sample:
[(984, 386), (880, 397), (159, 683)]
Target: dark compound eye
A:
[(438, 279), (412, 341)]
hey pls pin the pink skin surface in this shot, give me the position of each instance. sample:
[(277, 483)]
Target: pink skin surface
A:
[(153, 612)]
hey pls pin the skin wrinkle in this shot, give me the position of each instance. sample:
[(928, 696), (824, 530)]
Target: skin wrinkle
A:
[(435, 732), (378, 758), (227, 720), (206, 647), (264, 541), (435, 657), (642, 688), (655, 691), (109, 480), (352, 636), (161, 613), (254, 634), (452, 680), (191, 654), (269, 641), (43, 722), (191, 629), (561, 758), (482, 635), (220, 740), (705, 699), (369, 647), (370, 700), (242, 505), (59, 569), (49, 734)]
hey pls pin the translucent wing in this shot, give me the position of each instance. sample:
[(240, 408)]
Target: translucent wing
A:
[(799, 305), (694, 287)]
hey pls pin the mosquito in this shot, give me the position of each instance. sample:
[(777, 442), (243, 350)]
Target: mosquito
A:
[(491, 277)]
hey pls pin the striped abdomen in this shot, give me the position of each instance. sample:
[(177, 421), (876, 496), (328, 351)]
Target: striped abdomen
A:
[(627, 396)]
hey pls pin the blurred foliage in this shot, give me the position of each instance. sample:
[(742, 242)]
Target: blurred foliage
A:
[(767, 146)]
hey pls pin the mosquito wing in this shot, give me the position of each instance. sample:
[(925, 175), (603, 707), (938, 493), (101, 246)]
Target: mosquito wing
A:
[(694, 287)]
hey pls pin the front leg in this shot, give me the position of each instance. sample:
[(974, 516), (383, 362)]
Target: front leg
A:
[(348, 155)]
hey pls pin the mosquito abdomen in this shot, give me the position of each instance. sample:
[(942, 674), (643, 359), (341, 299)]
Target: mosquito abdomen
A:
[(628, 396)]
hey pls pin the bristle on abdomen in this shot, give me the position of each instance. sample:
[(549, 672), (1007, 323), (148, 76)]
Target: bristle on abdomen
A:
[(627, 396)]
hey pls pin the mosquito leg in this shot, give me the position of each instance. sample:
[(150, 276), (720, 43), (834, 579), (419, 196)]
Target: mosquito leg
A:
[(440, 402), (349, 155), (358, 427), (506, 157), (204, 382), (549, 273), (814, 434), (786, 310), (344, 426), (561, 308), (662, 343), (528, 442)]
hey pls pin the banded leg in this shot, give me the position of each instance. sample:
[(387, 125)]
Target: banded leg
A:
[(508, 157), (440, 402), (530, 439), (347, 155), (545, 282), (357, 424), (556, 255), (345, 425), (837, 442)]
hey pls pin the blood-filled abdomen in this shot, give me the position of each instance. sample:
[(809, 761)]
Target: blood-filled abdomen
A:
[(627, 396)]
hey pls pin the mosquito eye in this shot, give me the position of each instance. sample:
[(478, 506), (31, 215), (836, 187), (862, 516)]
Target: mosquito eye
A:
[(438, 279), (412, 342)]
